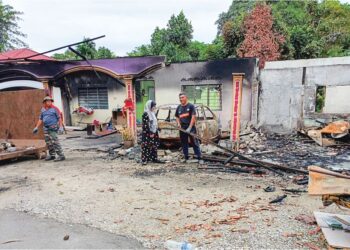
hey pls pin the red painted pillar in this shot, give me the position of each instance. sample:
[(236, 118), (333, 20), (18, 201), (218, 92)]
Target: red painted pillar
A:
[(131, 112), (236, 108)]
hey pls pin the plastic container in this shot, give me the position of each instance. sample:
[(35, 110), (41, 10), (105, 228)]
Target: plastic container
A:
[(174, 245)]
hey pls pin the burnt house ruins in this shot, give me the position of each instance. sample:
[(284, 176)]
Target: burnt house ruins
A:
[(284, 96)]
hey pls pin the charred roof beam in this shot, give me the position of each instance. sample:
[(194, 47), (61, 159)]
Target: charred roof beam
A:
[(86, 60)]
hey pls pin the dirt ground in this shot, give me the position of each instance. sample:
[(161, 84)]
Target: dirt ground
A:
[(158, 202)]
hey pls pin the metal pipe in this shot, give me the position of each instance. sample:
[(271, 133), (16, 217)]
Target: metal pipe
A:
[(225, 149), (63, 47), (52, 50)]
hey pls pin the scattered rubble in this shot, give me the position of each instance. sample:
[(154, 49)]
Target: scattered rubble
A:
[(168, 200), (332, 134), (285, 155), (276, 153), (295, 152)]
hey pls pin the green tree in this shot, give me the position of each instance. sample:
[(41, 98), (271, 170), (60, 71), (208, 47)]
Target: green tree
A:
[(10, 34), (310, 28), (67, 55), (296, 20), (237, 9), (230, 25), (103, 52), (143, 50), (233, 36), (159, 39), (176, 54), (197, 51), (334, 27), (174, 41), (313, 28), (305, 43), (87, 49), (179, 30), (216, 50)]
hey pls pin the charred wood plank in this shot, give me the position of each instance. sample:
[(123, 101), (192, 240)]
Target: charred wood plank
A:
[(223, 159), (229, 159), (273, 165), (291, 190)]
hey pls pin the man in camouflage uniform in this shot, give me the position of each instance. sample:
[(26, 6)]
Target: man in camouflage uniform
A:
[(50, 118)]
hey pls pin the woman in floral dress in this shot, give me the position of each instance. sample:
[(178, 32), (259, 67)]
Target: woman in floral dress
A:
[(150, 137)]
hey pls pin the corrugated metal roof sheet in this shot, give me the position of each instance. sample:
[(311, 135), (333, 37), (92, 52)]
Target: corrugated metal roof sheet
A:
[(22, 53)]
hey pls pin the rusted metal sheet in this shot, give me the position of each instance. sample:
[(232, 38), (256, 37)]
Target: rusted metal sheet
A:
[(340, 128), (19, 112), (326, 136)]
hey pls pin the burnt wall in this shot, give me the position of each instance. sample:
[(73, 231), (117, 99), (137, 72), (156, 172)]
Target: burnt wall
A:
[(70, 85), (87, 79), (170, 79)]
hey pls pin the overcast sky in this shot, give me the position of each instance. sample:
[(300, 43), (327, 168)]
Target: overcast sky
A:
[(126, 23)]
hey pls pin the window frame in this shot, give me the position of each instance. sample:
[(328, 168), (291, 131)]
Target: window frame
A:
[(183, 87), (99, 100)]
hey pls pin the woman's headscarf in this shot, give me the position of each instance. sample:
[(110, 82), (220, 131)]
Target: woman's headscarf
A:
[(153, 123)]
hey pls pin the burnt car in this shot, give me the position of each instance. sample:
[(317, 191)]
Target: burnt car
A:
[(207, 124)]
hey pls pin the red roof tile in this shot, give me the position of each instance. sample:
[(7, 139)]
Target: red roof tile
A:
[(21, 53)]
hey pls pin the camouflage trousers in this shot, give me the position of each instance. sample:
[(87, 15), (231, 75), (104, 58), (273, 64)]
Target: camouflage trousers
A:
[(52, 143)]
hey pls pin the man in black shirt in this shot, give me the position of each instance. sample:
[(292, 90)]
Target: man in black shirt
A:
[(186, 119)]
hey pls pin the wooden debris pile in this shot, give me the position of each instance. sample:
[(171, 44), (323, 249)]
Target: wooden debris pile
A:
[(332, 134), (12, 149), (332, 186)]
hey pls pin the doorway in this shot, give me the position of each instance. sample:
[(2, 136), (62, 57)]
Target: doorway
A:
[(145, 90)]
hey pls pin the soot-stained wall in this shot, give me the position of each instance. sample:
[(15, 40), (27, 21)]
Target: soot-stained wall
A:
[(170, 79), (71, 83)]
